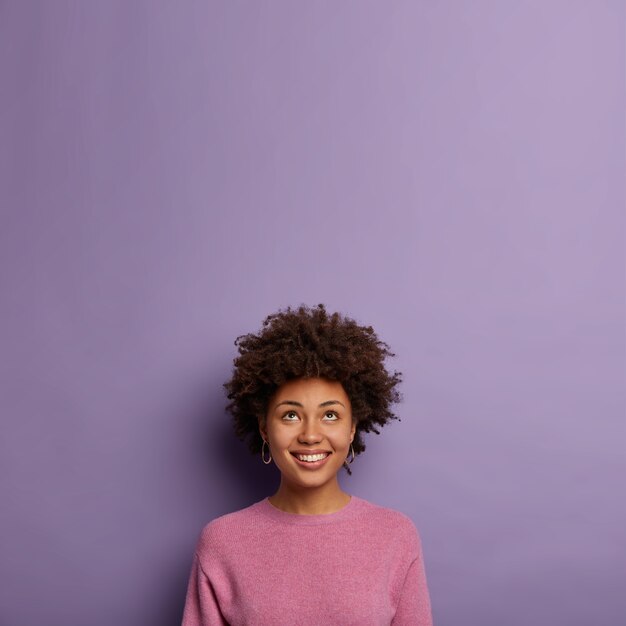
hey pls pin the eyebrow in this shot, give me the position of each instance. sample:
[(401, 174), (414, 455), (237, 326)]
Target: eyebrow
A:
[(294, 403)]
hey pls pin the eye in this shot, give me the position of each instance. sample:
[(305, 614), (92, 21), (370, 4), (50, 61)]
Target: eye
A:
[(333, 416), (287, 416)]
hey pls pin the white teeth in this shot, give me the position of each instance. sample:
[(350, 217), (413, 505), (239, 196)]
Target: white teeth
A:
[(312, 457)]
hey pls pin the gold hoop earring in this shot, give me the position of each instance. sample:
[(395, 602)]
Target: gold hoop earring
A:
[(346, 462), (263, 453)]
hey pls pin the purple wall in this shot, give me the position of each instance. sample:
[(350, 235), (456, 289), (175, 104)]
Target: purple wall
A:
[(451, 173)]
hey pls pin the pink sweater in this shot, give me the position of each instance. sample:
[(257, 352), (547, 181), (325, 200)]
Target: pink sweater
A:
[(261, 566)]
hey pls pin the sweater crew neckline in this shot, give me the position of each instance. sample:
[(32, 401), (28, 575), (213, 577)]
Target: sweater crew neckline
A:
[(346, 512)]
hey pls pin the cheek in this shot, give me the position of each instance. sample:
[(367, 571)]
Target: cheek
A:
[(279, 436), (341, 439)]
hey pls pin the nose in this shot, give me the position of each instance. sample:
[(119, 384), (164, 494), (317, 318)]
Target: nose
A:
[(309, 432)]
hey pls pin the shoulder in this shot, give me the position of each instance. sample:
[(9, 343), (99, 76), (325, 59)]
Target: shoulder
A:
[(227, 528), (390, 522), (384, 514)]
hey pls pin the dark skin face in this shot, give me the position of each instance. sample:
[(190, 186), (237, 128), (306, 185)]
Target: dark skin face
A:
[(309, 416)]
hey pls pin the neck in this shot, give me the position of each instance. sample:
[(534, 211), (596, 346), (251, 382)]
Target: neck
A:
[(326, 499)]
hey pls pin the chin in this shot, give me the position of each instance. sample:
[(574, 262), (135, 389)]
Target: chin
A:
[(311, 480)]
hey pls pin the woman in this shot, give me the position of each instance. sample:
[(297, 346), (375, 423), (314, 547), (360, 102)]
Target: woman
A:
[(303, 392)]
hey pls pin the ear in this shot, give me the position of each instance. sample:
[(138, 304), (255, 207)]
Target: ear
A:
[(352, 430), (262, 427)]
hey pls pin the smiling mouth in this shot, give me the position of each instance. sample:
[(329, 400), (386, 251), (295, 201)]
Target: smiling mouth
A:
[(311, 458)]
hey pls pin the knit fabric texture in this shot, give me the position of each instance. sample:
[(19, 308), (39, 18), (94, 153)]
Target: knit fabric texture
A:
[(261, 566)]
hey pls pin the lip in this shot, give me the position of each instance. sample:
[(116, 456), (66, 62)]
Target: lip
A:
[(311, 465), (309, 451)]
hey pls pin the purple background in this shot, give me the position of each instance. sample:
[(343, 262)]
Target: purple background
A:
[(451, 173)]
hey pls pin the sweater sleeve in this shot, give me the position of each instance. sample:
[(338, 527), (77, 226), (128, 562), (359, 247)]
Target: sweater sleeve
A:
[(201, 607), (414, 605)]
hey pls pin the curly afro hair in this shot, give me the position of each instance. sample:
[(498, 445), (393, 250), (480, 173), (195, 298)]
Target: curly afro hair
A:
[(308, 342)]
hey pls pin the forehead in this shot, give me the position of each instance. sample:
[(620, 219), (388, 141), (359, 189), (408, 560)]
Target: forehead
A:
[(311, 389)]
